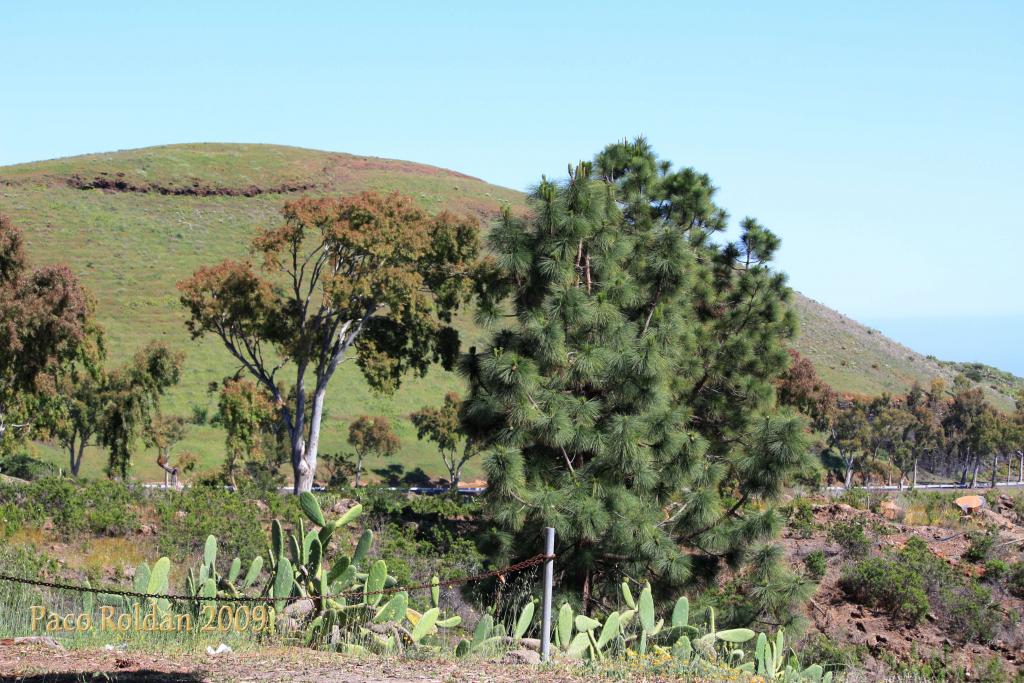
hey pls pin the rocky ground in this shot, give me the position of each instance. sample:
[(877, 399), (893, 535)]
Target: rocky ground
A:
[(833, 615), (39, 662)]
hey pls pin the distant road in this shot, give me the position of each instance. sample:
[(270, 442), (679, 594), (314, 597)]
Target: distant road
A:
[(945, 487)]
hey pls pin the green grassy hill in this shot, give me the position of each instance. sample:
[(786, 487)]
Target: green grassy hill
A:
[(133, 223)]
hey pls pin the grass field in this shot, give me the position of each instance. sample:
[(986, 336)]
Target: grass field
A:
[(133, 223)]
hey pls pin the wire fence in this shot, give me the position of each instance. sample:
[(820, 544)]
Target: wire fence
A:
[(246, 599)]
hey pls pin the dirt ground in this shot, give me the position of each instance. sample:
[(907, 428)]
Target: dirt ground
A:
[(39, 663)]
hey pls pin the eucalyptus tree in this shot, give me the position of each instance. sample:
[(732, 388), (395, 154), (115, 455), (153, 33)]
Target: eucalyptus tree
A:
[(131, 397), (368, 277), (626, 398), (44, 315)]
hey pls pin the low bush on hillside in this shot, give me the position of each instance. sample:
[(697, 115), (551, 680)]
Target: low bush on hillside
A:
[(913, 581), (832, 655), (850, 537), (800, 518), (100, 507), (24, 466), (886, 584), (971, 612), (816, 565), (996, 571), (981, 546), (1015, 580), (187, 518), (857, 498), (414, 556)]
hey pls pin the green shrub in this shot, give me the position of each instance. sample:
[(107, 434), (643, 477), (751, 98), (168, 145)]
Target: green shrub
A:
[(996, 570), (971, 612), (886, 584), (187, 518), (830, 654), (981, 546), (858, 498), (110, 507), (62, 501), (1015, 580), (964, 607), (24, 466), (101, 507), (801, 518), (415, 553), (816, 565), (200, 414), (851, 537), (381, 502)]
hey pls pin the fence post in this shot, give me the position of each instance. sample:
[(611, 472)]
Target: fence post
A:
[(549, 576)]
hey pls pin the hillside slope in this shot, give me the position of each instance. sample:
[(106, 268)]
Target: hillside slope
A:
[(133, 223)]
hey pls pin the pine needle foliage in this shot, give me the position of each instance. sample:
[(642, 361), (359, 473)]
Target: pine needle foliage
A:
[(627, 400)]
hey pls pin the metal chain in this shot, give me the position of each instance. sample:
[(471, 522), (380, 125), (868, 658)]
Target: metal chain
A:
[(519, 566)]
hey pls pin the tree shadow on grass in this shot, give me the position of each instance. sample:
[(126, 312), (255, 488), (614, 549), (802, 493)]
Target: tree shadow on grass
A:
[(395, 475)]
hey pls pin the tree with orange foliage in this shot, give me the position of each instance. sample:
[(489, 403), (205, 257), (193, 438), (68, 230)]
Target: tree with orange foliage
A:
[(371, 435), (43, 318), (801, 387), (370, 276)]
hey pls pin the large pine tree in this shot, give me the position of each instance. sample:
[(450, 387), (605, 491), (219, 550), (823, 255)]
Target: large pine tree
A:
[(628, 399)]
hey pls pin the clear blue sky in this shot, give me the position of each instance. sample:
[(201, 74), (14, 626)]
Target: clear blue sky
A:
[(883, 141)]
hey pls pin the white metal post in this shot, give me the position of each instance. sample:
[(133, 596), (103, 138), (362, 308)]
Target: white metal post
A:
[(549, 576)]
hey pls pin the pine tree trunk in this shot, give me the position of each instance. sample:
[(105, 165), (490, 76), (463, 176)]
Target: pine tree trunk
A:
[(1020, 472), (586, 593), (359, 469), (995, 469), (974, 472)]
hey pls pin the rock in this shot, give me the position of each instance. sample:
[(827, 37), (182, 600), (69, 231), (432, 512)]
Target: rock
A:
[(38, 640), (180, 514), (287, 624), (127, 571), (521, 657), (299, 608), (860, 627), (342, 506), (260, 505), (147, 529), (48, 525), (890, 510)]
